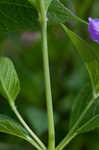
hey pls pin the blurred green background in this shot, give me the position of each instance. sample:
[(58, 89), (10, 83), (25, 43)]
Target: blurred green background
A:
[(68, 76)]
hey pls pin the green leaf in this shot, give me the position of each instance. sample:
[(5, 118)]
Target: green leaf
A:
[(89, 125), (90, 119), (89, 57), (58, 13), (17, 15), (9, 82), (86, 117), (21, 15), (9, 126), (82, 101)]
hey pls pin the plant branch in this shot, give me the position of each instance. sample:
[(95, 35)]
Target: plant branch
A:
[(27, 127)]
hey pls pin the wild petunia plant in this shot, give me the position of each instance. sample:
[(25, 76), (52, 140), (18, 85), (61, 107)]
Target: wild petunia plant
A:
[(41, 13)]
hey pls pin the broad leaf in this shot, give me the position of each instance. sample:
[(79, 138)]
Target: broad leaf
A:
[(9, 126), (17, 15), (21, 15), (58, 13), (9, 82), (89, 57)]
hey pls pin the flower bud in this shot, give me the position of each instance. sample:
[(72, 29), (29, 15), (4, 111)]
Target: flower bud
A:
[(93, 28)]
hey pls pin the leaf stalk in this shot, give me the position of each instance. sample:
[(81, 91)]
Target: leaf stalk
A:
[(37, 141)]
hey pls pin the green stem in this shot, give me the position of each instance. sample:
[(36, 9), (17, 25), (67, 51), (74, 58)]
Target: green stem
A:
[(72, 132), (51, 132), (27, 127)]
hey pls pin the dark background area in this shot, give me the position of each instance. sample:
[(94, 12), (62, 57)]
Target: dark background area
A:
[(68, 76)]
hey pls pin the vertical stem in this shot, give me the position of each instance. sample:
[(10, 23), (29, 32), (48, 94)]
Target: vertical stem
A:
[(51, 132)]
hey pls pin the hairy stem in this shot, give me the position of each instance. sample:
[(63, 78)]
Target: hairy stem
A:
[(51, 132), (37, 140)]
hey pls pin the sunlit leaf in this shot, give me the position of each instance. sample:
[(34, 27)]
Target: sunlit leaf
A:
[(9, 126), (9, 82)]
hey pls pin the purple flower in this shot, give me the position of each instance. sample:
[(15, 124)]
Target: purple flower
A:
[(93, 28)]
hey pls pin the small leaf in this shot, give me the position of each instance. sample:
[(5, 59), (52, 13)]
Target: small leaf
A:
[(9, 126), (89, 57), (9, 82)]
